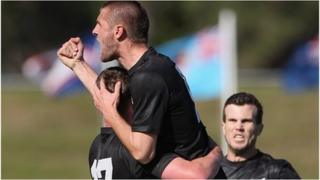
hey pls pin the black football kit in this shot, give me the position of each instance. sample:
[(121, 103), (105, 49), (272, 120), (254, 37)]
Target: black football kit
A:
[(109, 159), (260, 166), (162, 105)]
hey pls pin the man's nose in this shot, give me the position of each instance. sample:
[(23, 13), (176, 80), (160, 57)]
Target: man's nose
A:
[(94, 31), (239, 126)]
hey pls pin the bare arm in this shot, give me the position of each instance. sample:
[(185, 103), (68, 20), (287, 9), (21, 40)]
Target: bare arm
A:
[(140, 145), (199, 168), (71, 54)]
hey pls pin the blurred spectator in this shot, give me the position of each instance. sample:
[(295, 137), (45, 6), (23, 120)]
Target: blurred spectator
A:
[(302, 70)]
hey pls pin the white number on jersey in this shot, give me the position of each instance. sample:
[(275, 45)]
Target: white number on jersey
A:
[(102, 165)]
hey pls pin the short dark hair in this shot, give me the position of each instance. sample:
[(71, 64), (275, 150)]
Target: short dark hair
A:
[(134, 17), (243, 98), (111, 76)]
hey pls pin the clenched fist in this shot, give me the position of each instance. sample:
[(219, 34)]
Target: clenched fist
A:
[(71, 52)]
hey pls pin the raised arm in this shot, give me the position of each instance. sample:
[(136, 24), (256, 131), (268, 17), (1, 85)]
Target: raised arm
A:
[(140, 145), (71, 55)]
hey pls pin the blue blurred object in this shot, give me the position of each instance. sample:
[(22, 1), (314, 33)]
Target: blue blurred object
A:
[(197, 56), (302, 70), (54, 78)]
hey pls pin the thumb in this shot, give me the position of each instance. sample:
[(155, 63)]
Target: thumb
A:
[(117, 92), (80, 48), (78, 42), (80, 45), (117, 88)]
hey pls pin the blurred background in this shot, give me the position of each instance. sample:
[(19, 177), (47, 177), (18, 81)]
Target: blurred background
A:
[(48, 122)]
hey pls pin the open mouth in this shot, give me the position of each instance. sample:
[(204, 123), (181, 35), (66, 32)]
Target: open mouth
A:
[(238, 137)]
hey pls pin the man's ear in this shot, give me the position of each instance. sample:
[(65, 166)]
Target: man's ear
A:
[(223, 125), (119, 32), (259, 129)]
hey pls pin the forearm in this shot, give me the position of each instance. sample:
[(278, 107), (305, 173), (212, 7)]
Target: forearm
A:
[(211, 162), (199, 168), (180, 168), (140, 145), (86, 75)]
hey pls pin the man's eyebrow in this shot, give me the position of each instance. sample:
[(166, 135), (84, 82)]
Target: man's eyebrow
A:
[(247, 120)]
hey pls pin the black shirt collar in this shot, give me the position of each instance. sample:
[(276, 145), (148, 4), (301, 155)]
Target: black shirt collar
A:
[(141, 61), (257, 155)]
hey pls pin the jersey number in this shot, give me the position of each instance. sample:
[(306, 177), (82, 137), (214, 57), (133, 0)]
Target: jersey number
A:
[(102, 165)]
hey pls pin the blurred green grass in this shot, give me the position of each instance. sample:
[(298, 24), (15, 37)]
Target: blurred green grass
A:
[(49, 138)]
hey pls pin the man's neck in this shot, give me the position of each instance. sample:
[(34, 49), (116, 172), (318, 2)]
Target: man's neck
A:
[(241, 156), (131, 53)]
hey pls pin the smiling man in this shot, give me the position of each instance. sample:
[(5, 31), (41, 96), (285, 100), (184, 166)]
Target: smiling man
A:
[(242, 124)]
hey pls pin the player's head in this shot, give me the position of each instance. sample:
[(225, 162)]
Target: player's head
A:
[(117, 21), (110, 77), (242, 122), (132, 16), (244, 98)]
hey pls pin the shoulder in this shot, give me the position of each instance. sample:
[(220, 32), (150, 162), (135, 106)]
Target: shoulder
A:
[(279, 168), (159, 56), (157, 62), (147, 80), (146, 75), (268, 159), (95, 141)]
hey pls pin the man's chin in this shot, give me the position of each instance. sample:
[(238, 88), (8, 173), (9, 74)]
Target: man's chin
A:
[(238, 149), (107, 58)]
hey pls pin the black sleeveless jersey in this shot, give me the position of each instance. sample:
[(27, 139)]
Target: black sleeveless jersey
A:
[(108, 159), (162, 105), (260, 166)]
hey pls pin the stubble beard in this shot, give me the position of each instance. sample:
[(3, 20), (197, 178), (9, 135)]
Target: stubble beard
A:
[(243, 150), (108, 52), (107, 57)]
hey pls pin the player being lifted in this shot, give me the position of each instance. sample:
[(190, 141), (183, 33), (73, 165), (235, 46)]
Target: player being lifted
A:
[(107, 148), (164, 117)]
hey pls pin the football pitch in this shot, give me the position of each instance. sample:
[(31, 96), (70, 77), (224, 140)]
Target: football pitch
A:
[(50, 138)]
